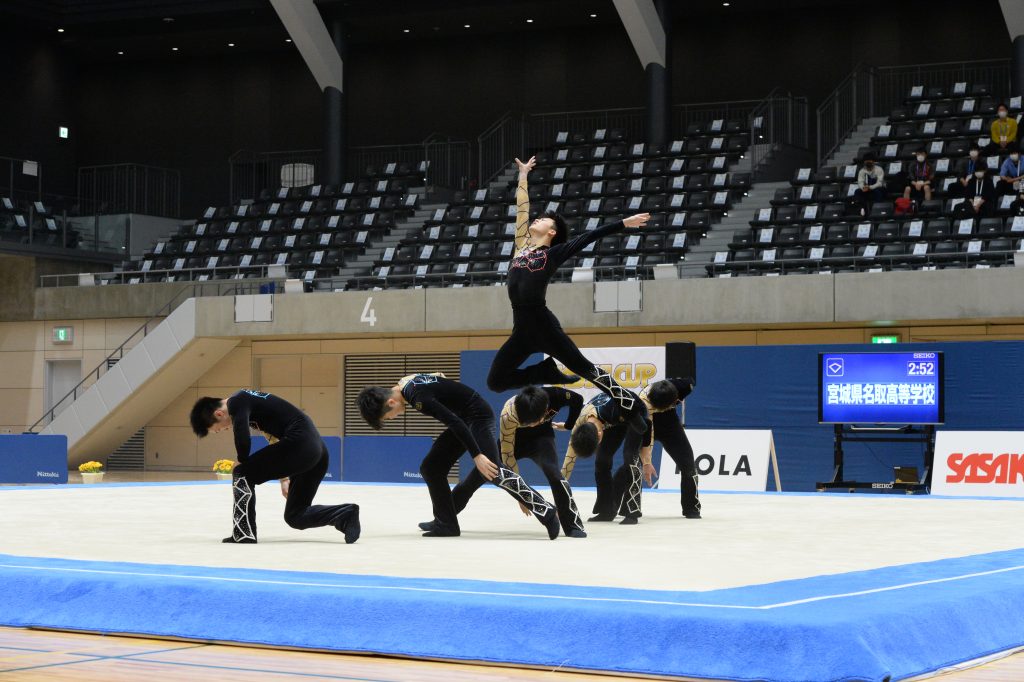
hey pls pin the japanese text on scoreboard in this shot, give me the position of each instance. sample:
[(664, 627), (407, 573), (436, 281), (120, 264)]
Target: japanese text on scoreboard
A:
[(880, 388)]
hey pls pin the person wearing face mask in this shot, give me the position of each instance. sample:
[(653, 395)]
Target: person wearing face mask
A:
[(965, 168), (1017, 207), (919, 179), (870, 183), (1004, 128), (1011, 173), (979, 195)]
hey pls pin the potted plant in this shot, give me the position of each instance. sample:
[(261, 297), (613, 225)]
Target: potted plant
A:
[(92, 472), (223, 467)]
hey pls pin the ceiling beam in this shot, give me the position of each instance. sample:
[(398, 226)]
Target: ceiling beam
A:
[(302, 20), (644, 29)]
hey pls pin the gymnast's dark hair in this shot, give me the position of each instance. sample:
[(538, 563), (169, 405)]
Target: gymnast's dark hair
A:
[(531, 404), (584, 439), (373, 403), (561, 229), (202, 415), (663, 395)]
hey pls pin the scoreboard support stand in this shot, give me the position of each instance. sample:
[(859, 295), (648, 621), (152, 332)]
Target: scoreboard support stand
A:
[(849, 433)]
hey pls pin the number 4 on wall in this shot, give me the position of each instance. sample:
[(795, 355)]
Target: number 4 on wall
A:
[(368, 314)]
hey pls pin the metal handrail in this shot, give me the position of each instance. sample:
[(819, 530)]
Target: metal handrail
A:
[(124, 276), (880, 259), (131, 188), (118, 352), (780, 119)]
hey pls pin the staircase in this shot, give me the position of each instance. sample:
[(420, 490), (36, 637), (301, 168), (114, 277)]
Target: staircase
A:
[(860, 137), (720, 235), (363, 263), (131, 456)]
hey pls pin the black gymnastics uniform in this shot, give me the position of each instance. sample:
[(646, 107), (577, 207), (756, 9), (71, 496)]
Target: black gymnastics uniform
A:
[(536, 443), (470, 423), (296, 452), (611, 415), (534, 327), (667, 429)]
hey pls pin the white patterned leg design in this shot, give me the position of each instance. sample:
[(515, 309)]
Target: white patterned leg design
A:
[(575, 521), (244, 525), (625, 398), (696, 493), (632, 501), (521, 490)]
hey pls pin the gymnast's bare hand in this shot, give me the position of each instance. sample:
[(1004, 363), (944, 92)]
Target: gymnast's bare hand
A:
[(486, 467), (558, 426), (525, 168), (638, 220), (285, 485), (649, 474), (525, 509)]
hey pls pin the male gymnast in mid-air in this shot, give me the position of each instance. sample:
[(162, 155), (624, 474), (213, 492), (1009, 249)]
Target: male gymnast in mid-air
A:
[(540, 248)]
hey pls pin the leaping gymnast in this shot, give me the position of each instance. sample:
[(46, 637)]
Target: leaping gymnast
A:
[(541, 247)]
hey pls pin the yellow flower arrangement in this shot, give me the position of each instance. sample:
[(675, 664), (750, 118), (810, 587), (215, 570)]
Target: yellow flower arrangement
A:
[(90, 467), (223, 466)]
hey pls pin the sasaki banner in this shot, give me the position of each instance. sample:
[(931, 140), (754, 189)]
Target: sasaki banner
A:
[(979, 463)]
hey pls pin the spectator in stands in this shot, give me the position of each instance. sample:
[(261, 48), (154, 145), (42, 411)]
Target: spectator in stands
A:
[(1012, 172), (966, 167), (1017, 207), (979, 195), (1004, 128), (919, 178), (870, 183)]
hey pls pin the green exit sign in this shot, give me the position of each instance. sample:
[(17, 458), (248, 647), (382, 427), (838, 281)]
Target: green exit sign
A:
[(885, 338), (63, 334)]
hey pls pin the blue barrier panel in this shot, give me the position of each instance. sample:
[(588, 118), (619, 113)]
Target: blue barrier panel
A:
[(31, 458), (385, 459), (333, 449), (776, 387)]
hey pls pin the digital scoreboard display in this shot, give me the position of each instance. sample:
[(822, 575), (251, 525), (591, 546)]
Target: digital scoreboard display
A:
[(880, 388)]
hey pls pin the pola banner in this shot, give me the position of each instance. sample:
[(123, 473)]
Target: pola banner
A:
[(979, 463), (726, 459)]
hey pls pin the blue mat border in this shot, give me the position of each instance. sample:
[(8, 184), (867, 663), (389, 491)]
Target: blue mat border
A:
[(803, 623)]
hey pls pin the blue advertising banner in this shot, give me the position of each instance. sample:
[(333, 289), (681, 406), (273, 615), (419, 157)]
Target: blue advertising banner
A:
[(385, 459), (31, 458)]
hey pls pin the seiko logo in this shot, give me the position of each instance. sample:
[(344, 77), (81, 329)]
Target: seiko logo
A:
[(883, 486), (986, 467), (47, 474)]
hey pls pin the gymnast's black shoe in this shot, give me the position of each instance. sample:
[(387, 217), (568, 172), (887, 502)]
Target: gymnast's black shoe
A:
[(351, 527), (629, 521), (576, 533), (548, 373), (601, 517), (692, 514), (550, 522), (428, 525), (243, 541), (440, 530)]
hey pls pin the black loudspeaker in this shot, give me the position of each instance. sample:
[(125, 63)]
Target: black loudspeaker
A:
[(681, 360)]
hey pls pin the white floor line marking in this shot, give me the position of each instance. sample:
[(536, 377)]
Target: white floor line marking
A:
[(406, 588)]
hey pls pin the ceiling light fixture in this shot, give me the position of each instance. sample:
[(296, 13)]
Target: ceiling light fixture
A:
[(231, 44), (60, 30), (529, 21), (174, 49), (287, 40), (120, 52), (405, 30), (725, 4), (465, 26), (593, 16)]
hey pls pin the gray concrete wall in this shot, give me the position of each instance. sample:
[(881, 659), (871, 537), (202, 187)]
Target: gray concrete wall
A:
[(949, 295)]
